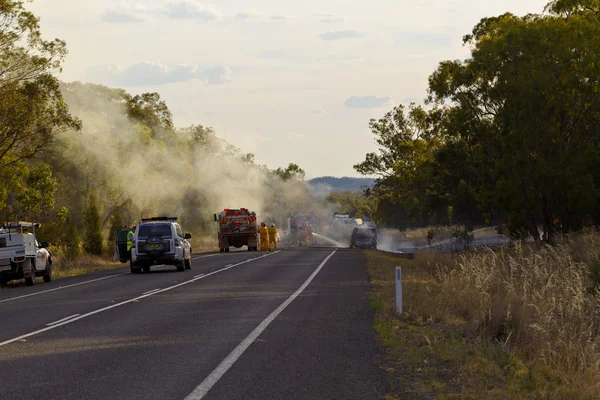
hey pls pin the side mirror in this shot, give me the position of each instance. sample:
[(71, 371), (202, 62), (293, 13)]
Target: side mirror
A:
[(188, 236), (44, 245)]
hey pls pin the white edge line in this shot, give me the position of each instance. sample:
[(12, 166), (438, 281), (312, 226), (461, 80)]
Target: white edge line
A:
[(62, 287), (70, 321), (61, 320), (151, 291), (228, 362)]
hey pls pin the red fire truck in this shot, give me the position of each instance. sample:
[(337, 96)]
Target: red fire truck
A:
[(237, 228)]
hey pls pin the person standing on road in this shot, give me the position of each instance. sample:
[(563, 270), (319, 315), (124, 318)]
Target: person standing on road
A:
[(129, 240), (311, 236), (264, 237), (273, 237)]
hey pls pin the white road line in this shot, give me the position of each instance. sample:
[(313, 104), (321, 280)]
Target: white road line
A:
[(62, 287), (151, 291), (210, 255), (228, 362), (61, 320), (121, 304), (199, 276)]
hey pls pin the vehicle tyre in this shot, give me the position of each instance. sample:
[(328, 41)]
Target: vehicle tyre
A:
[(146, 268), (188, 263), (134, 269), (30, 281), (48, 272), (181, 266)]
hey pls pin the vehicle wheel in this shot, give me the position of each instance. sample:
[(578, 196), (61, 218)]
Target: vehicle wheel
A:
[(146, 268), (181, 266), (134, 269), (30, 281), (48, 272), (188, 264)]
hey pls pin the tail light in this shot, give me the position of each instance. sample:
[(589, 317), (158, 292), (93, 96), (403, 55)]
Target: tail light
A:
[(19, 259)]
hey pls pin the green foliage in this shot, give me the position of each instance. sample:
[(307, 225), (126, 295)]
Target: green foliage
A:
[(511, 134), (116, 223), (292, 172), (73, 242), (38, 196), (92, 232), (356, 204)]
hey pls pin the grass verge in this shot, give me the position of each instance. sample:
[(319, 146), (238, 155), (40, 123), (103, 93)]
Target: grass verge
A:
[(517, 323)]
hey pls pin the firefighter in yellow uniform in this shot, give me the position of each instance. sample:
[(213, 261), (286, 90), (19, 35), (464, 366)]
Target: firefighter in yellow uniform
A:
[(273, 237), (264, 237)]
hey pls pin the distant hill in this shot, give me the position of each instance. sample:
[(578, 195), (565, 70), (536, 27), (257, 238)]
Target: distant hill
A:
[(328, 184)]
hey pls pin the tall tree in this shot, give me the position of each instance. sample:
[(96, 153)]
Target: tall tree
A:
[(93, 235)]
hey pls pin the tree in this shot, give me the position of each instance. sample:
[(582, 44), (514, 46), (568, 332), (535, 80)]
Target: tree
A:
[(116, 223), (38, 196), (291, 172), (24, 55), (529, 106), (93, 235)]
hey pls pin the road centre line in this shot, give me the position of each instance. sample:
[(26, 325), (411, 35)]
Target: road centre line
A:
[(62, 287), (228, 362), (57, 325), (61, 320), (84, 283), (151, 291)]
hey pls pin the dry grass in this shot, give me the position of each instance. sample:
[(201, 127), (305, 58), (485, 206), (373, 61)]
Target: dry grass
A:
[(64, 266), (517, 323)]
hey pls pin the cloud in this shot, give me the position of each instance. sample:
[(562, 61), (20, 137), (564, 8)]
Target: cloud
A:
[(150, 74), (218, 75), (295, 135), (246, 15), (329, 18), (191, 9), (339, 35), (317, 112), (366, 102), (126, 13)]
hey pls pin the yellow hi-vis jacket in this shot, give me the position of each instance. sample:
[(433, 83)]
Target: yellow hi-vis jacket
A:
[(129, 240)]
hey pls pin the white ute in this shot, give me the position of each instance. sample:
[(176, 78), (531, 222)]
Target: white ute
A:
[(21, 256)]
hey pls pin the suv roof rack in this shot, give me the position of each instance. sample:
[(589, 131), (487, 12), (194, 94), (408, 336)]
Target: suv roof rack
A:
[(154, 219)]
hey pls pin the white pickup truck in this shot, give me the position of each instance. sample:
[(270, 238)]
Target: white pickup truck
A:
[(21, 256)]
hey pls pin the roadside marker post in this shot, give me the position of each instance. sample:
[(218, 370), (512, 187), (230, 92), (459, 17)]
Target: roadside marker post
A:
[(399, 290)]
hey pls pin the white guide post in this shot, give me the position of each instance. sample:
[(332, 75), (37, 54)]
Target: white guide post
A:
[(399, 290)]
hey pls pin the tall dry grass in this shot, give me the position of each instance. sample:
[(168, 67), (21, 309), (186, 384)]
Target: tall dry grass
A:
[(65, 264), (535, 302)]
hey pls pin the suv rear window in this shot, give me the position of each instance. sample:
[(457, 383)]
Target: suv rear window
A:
[(163, 230)]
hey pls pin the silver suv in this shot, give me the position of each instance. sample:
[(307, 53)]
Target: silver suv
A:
[(160, 241)]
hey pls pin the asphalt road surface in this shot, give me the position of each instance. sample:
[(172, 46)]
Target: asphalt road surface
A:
[(286, 325)]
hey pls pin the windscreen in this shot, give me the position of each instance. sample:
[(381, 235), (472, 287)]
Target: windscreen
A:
[(163, 230)]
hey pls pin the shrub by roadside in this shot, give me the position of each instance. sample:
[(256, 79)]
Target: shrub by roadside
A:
[(67, 263), (518, 323)]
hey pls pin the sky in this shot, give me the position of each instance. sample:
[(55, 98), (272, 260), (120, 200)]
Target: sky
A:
[(291, 81)]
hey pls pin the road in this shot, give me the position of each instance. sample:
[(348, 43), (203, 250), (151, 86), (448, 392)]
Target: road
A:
[(294, 324)]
